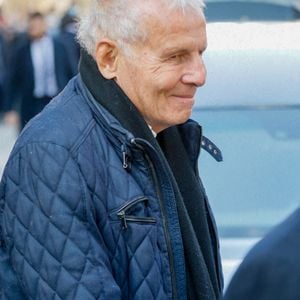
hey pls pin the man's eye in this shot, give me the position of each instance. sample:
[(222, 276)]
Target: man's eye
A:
[(176, 57)]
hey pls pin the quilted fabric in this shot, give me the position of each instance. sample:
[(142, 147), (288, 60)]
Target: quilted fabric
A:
[(62, 194)]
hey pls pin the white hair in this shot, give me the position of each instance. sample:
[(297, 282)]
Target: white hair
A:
[(120, 20)]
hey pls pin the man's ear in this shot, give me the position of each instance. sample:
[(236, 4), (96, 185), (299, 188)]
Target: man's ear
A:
[(107, 58)]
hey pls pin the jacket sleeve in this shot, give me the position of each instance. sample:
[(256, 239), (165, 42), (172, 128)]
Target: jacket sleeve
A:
[(56, 252)]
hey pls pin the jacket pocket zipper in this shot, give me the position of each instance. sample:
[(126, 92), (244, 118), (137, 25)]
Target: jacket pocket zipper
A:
[(121, 213)]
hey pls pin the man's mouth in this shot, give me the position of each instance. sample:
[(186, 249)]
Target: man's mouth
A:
[(185, 97)]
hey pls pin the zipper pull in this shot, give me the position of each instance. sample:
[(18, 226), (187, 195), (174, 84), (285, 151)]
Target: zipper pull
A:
[(122, 216), (125, 157)]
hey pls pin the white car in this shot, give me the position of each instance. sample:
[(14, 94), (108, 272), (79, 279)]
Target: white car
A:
[(250, 108)]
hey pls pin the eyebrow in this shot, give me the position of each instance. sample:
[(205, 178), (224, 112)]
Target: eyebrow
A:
[(172, 50), (175, 49)]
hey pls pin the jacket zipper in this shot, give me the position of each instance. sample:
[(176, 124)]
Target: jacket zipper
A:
[(133, 141), (159, 196), (121, 213)]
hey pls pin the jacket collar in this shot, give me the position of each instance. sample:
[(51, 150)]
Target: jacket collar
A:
[(109, 95)]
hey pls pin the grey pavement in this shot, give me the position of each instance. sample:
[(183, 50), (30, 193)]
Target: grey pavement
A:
[(8, 135)]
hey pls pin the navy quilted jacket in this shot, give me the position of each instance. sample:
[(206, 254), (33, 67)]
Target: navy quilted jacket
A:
[(80, 216)]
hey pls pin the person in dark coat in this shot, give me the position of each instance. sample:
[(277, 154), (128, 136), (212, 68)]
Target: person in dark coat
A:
[(3, 70), (67, 36), (40, 70), (271, 270), (101, 197)]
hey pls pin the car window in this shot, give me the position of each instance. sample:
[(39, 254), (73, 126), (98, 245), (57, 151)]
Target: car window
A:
[(256, 185), (246, 77)]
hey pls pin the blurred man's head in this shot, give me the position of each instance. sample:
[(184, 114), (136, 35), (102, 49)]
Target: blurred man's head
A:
[(153, 50), (36, 26)]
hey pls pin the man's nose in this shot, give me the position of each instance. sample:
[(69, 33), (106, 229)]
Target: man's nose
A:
[(195, 72)]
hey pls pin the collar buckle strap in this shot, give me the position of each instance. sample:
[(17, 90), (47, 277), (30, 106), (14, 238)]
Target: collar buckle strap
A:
[(211, 148)]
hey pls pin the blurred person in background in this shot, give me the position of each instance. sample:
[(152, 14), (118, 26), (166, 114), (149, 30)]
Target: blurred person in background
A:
[(3, 62), (3, 70), (2, 22), (40, 69), (271, 270), (13, 39), (67, 36)]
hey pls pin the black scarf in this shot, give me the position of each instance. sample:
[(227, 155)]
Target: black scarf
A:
[(200, 257)]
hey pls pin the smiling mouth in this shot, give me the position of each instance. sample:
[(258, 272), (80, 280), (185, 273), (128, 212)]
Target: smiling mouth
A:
[(184, 102), (185, 97)]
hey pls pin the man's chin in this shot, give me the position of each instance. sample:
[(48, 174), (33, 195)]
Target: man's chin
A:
[(183, 118)]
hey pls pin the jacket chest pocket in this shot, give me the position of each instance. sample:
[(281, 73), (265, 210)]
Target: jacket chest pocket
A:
[(136, 250), (133, 211)]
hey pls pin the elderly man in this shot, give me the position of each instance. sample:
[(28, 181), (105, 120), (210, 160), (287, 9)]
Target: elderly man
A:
[(101, 196)]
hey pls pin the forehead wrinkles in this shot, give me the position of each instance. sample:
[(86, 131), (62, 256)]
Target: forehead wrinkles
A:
[(161, 27)]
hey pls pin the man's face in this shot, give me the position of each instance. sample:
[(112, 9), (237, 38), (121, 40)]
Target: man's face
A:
[(36, 28), (162, 76)]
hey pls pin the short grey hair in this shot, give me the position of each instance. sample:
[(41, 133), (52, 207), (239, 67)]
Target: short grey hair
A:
[(120, 21)]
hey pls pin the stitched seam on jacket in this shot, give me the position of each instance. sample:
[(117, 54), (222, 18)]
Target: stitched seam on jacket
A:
[(83, 136)]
